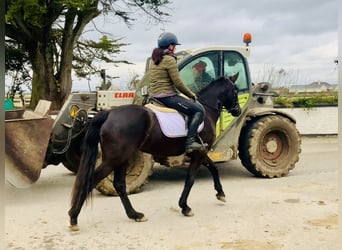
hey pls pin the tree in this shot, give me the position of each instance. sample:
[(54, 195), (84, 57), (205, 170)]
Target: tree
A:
[(16, 61), (50, 31)]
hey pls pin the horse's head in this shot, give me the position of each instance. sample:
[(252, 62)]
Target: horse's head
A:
[(221, 92), (232, 100)]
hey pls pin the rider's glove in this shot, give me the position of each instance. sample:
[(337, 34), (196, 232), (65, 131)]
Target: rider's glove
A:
[(194, 98)]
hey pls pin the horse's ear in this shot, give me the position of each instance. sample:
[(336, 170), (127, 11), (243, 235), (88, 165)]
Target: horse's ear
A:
[(234, 77)]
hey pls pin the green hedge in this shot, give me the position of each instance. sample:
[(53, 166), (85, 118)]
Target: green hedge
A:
[(306, 101)]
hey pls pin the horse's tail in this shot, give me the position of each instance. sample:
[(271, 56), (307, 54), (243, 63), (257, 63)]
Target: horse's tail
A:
[(84, 182)]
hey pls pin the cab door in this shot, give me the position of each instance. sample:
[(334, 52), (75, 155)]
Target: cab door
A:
[(200, 70)]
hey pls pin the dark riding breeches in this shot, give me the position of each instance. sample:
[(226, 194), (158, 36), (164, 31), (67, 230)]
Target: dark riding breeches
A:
[(183, 105)]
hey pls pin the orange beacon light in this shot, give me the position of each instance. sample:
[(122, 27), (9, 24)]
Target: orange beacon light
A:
[(247, 38)]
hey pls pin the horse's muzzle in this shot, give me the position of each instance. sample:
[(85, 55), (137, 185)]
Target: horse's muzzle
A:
[(236, 110)]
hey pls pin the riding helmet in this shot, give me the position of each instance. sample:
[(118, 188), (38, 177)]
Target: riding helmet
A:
[(167, 38)]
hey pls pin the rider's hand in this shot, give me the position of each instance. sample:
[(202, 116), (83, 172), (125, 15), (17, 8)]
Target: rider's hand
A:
[(194, 98)]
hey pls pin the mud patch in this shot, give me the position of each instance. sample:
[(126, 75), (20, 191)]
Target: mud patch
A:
[(308, 187), (320, 203), (173, 209), (250, 244), (292, 200), (329, 222)]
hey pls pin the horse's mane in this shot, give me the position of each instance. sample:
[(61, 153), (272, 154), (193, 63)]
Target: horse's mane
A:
[(210, 84)]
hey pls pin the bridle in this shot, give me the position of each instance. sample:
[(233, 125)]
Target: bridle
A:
[(237, 106), (218, 109)]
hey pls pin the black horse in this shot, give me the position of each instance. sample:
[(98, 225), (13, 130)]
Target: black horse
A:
[(124, 130)]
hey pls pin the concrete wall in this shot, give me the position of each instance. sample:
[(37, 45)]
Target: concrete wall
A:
[(318, 120)]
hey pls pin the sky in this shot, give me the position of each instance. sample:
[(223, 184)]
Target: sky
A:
[(299, 38)]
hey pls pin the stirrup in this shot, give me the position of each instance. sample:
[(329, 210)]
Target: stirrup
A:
[(193, 147), (196, 146), (205, 145)]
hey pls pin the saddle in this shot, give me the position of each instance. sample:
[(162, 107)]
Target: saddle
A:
[(172, 123)]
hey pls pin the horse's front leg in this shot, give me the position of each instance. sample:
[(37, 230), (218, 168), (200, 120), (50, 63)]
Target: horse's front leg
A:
[(120, 186), (216, 178), (189, 182)]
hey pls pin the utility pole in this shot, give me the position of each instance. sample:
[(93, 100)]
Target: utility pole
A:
[(103, 75)]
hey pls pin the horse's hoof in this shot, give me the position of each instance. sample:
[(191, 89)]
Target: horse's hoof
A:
[(188, 213), (221, 198), (74, 228), (142, 219)]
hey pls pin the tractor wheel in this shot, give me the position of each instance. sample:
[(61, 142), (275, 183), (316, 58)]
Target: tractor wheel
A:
[(71, 161), (71, 158), (71, 167), (138, 171), (269, 146)]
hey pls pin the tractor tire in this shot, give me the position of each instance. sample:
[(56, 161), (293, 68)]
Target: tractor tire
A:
[(70, 167), (269, 146), (71, 161), (71, 158), (138, 171)]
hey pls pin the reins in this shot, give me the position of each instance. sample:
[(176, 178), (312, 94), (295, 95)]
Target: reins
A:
[(205, 103)]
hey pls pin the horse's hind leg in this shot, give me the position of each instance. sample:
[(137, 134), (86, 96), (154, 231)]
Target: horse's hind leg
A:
[(75, 209), (80, 195), (216, 178), (120, 186)]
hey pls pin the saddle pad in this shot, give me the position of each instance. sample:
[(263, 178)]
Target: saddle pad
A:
[(173, 124), (160, 108)]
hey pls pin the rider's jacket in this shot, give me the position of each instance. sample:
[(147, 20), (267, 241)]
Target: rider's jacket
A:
[(165, 79)]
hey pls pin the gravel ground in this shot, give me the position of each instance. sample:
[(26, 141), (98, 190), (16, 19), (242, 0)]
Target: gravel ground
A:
[(294, 212)]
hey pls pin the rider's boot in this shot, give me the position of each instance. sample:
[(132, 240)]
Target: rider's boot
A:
[(191, 142)]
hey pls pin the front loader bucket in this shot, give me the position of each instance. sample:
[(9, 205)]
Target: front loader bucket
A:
[(27, 136)]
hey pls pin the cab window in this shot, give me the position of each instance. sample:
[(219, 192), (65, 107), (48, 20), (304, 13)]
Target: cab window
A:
[(200, 71), (233, 63)]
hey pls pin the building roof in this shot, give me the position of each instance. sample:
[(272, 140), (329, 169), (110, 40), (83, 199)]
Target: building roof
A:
[(314, 85)]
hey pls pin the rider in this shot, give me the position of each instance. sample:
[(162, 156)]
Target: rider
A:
[(165, 83), (201, 76)]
